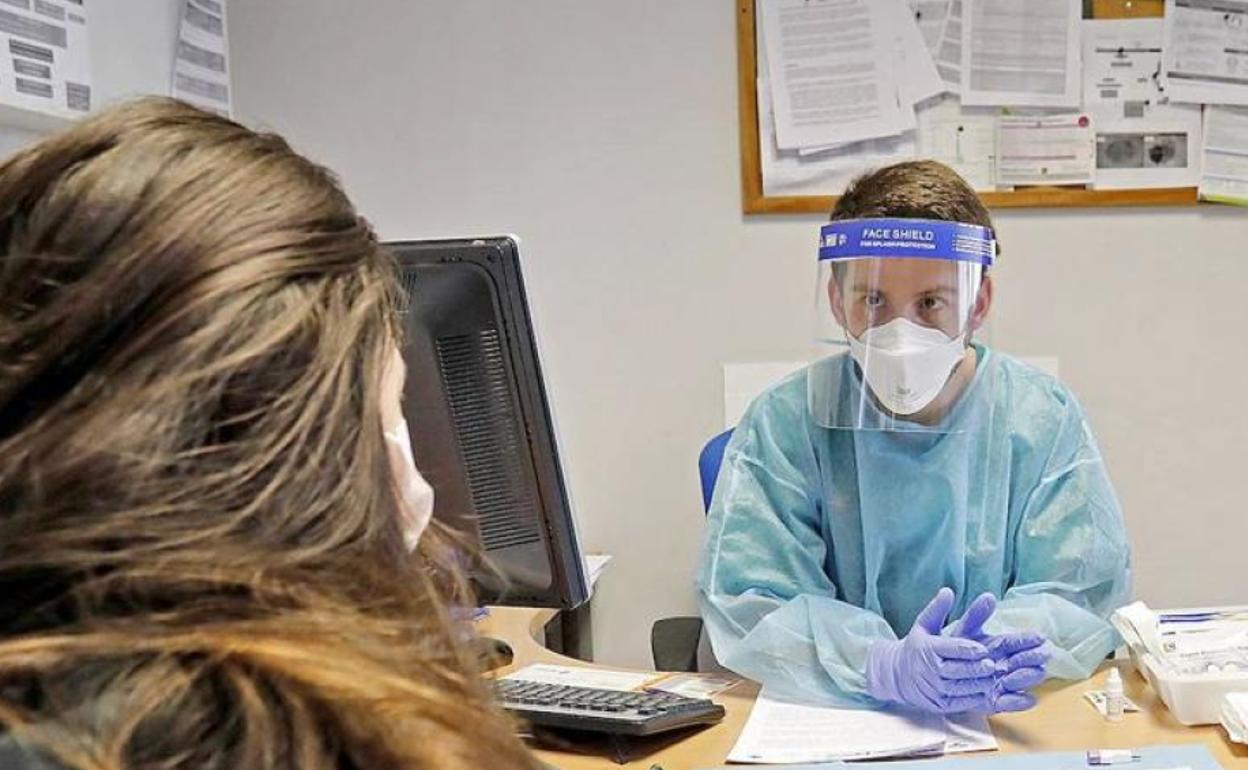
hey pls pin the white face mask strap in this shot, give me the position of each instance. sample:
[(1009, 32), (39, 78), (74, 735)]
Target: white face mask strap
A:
[(415, 495)]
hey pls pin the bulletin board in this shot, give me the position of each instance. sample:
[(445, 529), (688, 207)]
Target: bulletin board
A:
[(755, 202)]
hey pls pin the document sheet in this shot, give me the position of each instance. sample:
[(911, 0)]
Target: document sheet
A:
[(1142, 140), (1021, 53), (830, 67), (1206, 45), (1048, 150), (1224, 178), (46, 66), (781, 731), (201, 61)]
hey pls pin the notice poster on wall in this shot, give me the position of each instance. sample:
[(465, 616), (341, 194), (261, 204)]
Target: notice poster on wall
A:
[(44, 62), (201, 73)]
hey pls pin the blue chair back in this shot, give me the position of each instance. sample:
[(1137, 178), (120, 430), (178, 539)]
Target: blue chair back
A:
[(709, 460)]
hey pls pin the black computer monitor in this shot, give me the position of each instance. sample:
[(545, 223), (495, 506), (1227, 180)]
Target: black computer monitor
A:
[(481, 426)]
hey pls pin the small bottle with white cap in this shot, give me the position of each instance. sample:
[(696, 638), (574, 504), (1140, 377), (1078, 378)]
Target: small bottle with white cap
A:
[(1115, 700)]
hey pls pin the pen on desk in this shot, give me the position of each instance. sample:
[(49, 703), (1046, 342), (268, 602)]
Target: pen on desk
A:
[(1099, 757), (1202, 617)]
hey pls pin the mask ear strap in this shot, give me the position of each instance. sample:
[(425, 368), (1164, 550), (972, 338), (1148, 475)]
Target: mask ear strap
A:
[(415, 494)]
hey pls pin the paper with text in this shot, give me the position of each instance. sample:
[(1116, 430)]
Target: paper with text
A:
[(47, 66), (1224, 178), (830, 67), (201, 73), (1048, 150), (577, 676), (782, 731), (1021, 53), (1142, 140), (1204, 51)]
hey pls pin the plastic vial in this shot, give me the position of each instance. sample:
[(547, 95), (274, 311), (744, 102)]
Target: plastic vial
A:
[(1115, 701)]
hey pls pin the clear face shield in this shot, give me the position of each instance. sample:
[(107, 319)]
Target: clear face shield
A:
[(895, 308)]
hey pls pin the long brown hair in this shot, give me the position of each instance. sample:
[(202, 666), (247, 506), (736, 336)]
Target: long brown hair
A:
[(200, 558)]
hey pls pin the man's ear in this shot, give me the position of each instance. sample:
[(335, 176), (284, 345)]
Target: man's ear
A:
[(983, 303), (837, 301)]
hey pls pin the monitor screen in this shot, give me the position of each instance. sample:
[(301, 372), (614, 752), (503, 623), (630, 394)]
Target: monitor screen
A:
[(481, 425)]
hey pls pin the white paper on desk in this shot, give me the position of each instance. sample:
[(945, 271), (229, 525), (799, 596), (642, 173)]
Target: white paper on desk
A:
[(48, 67), (967, 733), (949, 52), (1224, 175), (1203, 51), (576, 676), (963, 138), (918, 79), (830, 68), (781, 731), (201, 73), (1021, 53), (1045, 150), (694, 685), (788, 172), (930, 16)]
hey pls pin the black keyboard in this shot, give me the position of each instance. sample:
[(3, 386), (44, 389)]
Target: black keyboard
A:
[(607, 711)]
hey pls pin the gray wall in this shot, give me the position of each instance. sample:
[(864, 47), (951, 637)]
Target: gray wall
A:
[(605, 134)]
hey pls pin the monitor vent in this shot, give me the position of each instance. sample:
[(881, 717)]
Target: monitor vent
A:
[(474, 374)]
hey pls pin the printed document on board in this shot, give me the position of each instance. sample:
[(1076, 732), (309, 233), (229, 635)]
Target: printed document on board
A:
[(1021, 53), (930, 16), (201, 73), (1045, 150), (46, 66), (1142, 140), (963, 138), (830, 65), (1224, 178), (824, 172), (949, 51), (919, 80), (1204, 52)]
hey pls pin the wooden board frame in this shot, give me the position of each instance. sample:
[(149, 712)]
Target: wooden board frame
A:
[(755, 202)]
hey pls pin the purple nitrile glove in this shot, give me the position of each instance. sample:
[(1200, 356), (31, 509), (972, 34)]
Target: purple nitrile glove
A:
[(939, 674), (1019, 655)]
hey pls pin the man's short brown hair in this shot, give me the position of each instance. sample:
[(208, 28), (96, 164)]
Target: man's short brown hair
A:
[(918, 189)]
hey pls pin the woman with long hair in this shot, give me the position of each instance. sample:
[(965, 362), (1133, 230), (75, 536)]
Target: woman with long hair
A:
[(202, 551)]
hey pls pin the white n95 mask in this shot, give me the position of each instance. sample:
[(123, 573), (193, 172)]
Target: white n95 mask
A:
[(906, 365), (414, 493)]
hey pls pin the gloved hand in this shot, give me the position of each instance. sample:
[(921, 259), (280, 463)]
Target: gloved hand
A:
[(1019, 655), (935, 673)]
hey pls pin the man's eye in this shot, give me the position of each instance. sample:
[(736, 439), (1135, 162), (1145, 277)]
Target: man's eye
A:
[(873, 301), (931, 303)]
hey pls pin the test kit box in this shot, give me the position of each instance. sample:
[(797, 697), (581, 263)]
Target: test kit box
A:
[(1192, 657)]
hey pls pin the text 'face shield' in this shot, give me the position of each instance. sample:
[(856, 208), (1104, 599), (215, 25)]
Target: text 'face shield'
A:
[(900, 295)]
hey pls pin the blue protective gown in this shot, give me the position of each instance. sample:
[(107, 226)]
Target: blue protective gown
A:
[(822, 541)]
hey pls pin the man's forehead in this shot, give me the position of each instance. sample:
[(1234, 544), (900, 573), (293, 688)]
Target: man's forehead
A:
[(917, 285)]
